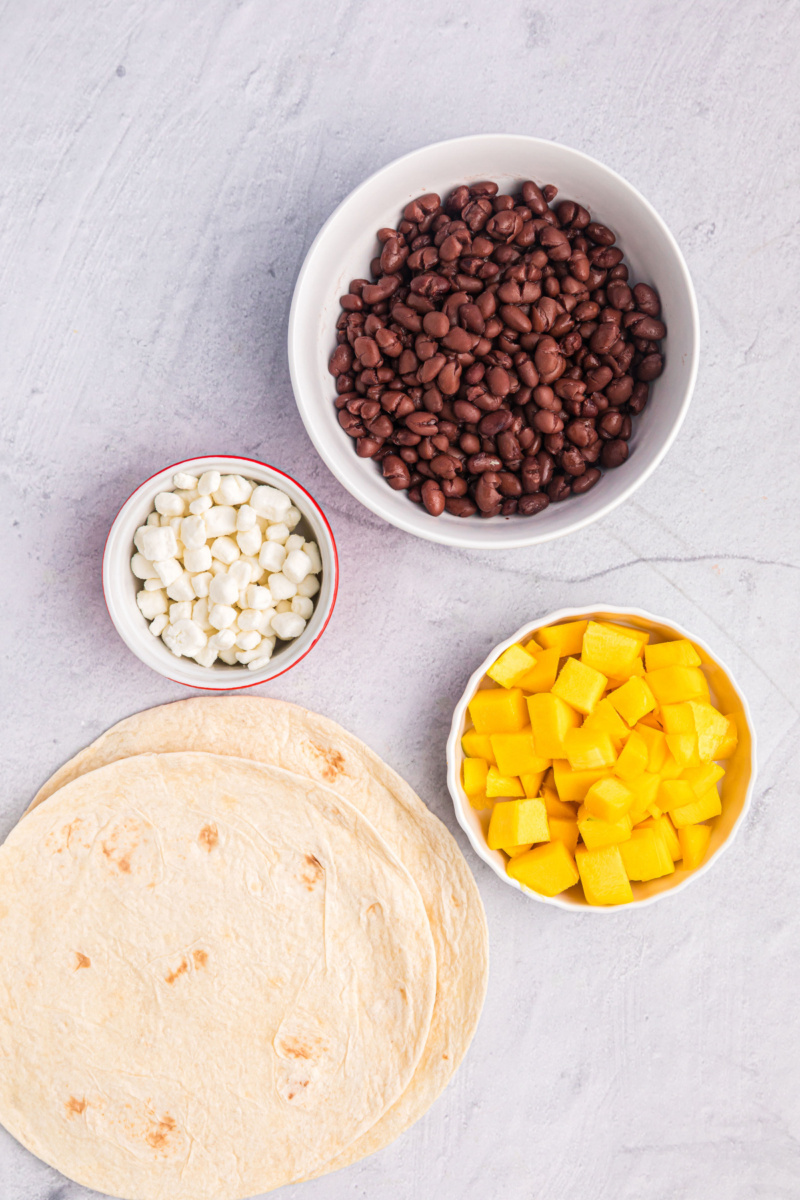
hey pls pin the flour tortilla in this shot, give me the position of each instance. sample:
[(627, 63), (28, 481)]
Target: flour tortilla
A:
[(214, 976), (313, 746)]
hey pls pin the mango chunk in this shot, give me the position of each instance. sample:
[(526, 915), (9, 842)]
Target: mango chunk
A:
[(731, 738), (608, 799), (711, 729), (498, 784), (670, 769), (666, 829), (474, 772), (579, 685), (645, 794), (639, 635), (633, 758), (694, 841), (550, 719), (573, 785), (608, 649), (677, 718), (515, 753), (704, 777), (683, 748), (674, 793), (706, 806), (481, 801), (651, 719), (634, 667), (498, 710), (646, 855), (603, 875), (604, 718), (515, 851), (556, 807), (671, 685), (597, 832), (679, 653), (566, 638), (532, 783), (564, 829), (510, 666), (542, 675), (633, 700), (477, 745), (514, 822), (587, 750), (548, 869)]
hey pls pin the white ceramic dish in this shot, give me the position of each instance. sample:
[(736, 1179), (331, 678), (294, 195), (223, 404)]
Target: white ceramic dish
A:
[(120, 585), (342, 251), (736, 788)]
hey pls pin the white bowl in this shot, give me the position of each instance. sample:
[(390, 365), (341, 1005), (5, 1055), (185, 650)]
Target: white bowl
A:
[(736, 788), (342, 251), (120, 585)]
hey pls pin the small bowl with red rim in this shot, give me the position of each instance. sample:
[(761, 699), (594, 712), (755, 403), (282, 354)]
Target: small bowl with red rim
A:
[(120, 585), (736, 789)]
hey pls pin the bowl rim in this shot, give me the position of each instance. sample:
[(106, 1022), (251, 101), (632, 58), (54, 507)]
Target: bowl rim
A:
[(454, 749), (413, 523), (109, 590)]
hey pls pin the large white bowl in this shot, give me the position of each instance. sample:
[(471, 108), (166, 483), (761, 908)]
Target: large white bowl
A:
[(736, 788), (342, 251), (120, 585)]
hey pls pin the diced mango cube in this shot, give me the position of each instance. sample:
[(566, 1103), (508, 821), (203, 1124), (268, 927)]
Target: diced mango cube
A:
[(564, 829), (677, 718), (680, 653), (645, 794), (633, 758), (481, 801), (640, 636), (634, 667), (597, 832), (603, 875), (731, 738), (556, 807), (516, 821), (548, 869), (711, 729), (566, 638), (683, 748), (498, 710), (608, 649), (475, 771), (671, 685), (694, 841), (532, 783), (498, 784), (608, 799), (542, 675), (651, 719), (550, 718), (656, 744), (605, 718), (670, 769), (706, 806), (587, 750), (579, 685), (515, 851), (704, 777), (646, 856), (633, 700), (674, 793), (667, 830), (512, 663), (477, 745), (515, 753), (573, 785)]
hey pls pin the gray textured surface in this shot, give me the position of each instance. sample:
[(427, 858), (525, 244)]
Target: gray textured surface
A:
[(165, 167)]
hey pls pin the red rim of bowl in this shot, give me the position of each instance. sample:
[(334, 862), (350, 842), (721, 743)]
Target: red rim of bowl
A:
[(239, 458)]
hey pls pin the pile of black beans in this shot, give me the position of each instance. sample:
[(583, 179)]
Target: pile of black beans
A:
[(495, 361)]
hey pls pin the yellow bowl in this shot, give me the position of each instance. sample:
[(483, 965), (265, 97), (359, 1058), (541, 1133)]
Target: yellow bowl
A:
[(736, 788)]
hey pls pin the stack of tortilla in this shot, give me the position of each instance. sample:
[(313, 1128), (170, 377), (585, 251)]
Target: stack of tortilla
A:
[(236, 951)]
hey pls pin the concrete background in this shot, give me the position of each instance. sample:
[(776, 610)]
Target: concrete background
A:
[(164, 168)]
